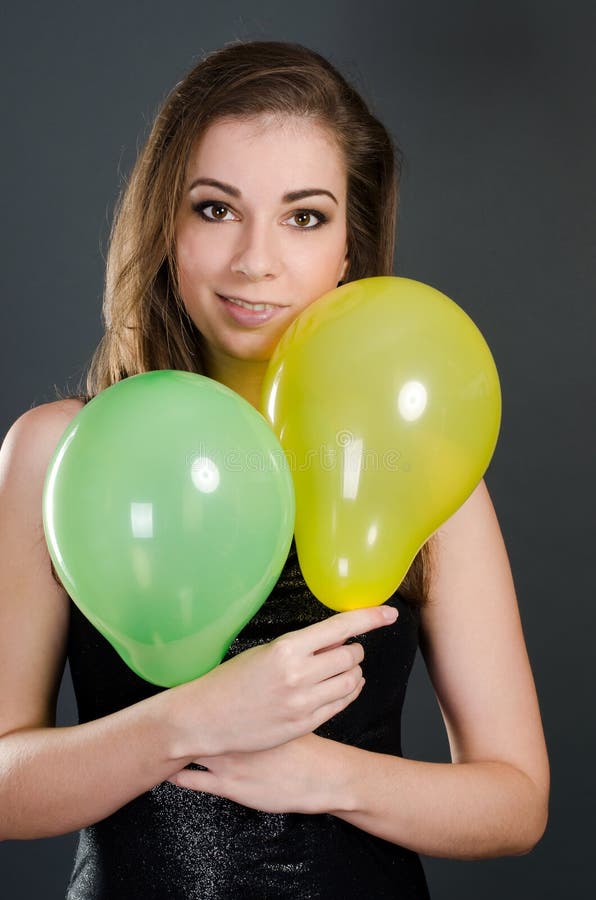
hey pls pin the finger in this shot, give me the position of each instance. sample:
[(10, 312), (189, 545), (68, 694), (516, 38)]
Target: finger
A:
[(328, 710), (340, 627), (335, 661), (336, 688)]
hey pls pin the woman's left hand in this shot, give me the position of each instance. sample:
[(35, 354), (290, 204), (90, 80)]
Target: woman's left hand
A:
[(302, 775)]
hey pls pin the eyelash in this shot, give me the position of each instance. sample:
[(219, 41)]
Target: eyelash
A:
[(201, 207)]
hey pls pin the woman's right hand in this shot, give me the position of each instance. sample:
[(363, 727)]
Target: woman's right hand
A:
[(278, 691)]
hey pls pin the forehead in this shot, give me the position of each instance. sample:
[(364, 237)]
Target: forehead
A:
[(291, 151)]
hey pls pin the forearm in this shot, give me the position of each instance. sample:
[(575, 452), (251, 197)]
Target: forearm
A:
[(477, 810), (56, 780)]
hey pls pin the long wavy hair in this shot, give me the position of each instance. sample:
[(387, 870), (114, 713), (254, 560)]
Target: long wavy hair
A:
[(146, 323)]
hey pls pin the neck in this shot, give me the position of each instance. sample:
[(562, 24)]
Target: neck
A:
[(245, 377)]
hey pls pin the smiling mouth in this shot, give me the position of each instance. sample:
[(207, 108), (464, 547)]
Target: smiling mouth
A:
[(246, 304)]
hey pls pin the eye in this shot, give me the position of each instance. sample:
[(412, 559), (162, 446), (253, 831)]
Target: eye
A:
[(305, 217), (217, 209)]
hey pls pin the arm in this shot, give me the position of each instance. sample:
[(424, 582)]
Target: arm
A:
[(55, 780), (492, 800)]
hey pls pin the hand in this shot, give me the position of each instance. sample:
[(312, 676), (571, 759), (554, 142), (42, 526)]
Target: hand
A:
[(301, 776), (270, 694)]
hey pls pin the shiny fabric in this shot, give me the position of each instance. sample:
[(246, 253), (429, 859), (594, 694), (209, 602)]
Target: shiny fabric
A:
[(175, 843)]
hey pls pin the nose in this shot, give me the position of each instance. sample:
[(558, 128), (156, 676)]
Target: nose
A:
[(258, 254)]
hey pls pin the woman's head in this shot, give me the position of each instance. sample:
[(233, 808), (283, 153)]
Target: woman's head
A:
[(262, 220), (147, 322)]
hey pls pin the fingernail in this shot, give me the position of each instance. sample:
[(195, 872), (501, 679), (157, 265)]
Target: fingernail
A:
[(390, 613)]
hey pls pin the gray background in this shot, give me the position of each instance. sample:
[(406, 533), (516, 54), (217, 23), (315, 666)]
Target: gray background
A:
[(493, 103)]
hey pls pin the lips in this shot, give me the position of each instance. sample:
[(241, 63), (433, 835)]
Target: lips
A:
[(248, 318), (245, 300)]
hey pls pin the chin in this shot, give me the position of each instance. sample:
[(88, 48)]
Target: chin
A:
[(253, 348)]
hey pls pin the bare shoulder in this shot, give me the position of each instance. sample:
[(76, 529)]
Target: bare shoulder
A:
[(461, 549), (46, 417), (34, 609), (471, 584), (33, 436)]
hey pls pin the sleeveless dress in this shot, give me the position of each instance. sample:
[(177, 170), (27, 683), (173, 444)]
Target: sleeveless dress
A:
[(171, 843)]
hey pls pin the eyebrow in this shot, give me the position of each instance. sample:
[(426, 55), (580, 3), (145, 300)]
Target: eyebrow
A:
[(290, 197)]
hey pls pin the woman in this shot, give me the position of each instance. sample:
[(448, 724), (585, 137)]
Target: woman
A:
[(265, 180)]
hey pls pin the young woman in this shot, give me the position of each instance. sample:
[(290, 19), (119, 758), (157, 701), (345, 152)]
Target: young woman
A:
[(265, 180)]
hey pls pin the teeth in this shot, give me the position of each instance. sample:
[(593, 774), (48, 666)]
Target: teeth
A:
[(256, 307)]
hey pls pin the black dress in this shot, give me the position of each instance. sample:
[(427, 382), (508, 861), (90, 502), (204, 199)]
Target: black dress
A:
[(171, 842)]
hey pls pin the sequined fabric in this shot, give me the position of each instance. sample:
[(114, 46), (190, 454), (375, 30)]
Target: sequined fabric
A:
[(174, 843)]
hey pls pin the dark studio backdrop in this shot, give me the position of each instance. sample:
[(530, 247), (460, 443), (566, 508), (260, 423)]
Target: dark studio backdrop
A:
[(494, 106)]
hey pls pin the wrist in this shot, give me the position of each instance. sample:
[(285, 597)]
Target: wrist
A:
[(185, 719), (339, 774)]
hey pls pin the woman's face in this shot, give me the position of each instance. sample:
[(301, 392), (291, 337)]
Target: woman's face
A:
[(246, 238)]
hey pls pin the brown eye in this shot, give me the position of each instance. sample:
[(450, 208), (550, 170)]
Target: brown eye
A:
[(218, 211), (309, 219)]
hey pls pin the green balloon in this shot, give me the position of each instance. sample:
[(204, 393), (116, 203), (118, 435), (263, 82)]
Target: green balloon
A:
[(168, 510)]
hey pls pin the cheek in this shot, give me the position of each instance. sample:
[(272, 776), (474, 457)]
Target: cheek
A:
[(318, 262), (188, 252), (197, 260), (325, 272)]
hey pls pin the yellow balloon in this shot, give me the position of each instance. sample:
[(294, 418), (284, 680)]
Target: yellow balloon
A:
[(386, 400)]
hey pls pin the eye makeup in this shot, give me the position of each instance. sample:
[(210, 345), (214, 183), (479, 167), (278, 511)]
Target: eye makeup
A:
[(200, 208)]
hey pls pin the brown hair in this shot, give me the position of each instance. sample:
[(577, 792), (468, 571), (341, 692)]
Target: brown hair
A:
[(146, 324)]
